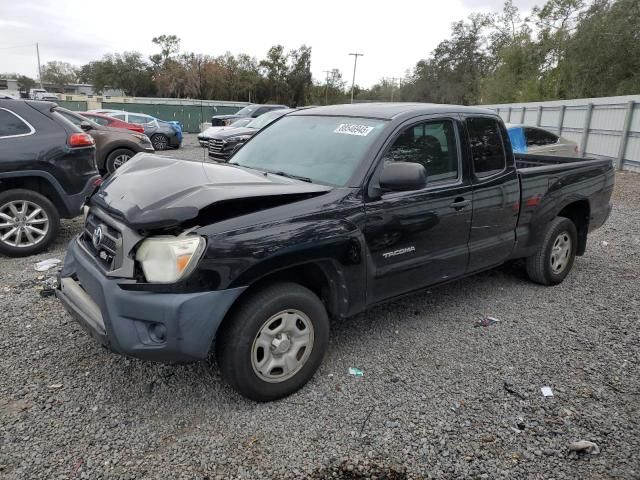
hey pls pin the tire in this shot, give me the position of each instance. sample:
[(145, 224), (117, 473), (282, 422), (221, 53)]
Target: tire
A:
[(238, 343), (555, 256), (160, 141), (117, 158), (47, 221)]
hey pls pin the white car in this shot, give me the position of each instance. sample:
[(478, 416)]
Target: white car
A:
[(205, 135)]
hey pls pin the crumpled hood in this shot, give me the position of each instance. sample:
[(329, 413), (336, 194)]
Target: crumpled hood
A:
[(152, 191)]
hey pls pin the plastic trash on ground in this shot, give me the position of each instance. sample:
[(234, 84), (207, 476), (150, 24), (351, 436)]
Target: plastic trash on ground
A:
[(585, 446), (47, 264), (486, 322), (546, 392), (356, 372)]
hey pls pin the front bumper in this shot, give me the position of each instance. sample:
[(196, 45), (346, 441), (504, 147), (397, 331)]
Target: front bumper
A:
[(147, 325)]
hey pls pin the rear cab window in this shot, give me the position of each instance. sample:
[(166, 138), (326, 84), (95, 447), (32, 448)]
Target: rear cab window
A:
[(487, 146), (13, 125)]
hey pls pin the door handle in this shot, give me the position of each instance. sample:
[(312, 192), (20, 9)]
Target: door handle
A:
[(459, 203)]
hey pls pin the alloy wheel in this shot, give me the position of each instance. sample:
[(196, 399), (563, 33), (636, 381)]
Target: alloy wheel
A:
[(22, 223)]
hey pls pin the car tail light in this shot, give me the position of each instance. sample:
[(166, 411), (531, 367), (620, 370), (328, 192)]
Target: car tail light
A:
[(97, 182), (137, 128), (80, 140)]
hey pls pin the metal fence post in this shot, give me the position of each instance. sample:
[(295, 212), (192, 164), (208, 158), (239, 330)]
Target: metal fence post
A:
[(625, 133), (561, 119), (524, 109), (509, 115), (539, 119), (585, 130)]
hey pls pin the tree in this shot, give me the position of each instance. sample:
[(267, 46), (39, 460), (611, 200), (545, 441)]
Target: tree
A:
[(25, 83), (299, 76), (274, 70), (59, 74), (126, 71), (169, 45)]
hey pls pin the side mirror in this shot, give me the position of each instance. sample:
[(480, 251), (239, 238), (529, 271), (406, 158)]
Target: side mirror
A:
[(86, 126), (403, 176)]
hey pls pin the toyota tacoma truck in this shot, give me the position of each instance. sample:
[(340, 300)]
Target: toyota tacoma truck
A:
[(321, 215)]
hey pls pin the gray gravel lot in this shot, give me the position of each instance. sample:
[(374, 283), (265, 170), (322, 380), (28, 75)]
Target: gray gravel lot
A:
[(439, 398)]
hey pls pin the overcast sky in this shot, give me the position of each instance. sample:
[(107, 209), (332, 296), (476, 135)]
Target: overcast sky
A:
[(392, 35)]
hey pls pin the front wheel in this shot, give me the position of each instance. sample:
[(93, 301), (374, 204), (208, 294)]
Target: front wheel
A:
[(555, 256), (160, 141), (273, 342), (117, 158)]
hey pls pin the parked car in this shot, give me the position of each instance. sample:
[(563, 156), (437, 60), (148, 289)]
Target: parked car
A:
[(224, 143), (325, 213), (525, 139), (4, 96), (205, 135), (163, 134), (253, 111), (107, 121), (114, 146), (47, 170)]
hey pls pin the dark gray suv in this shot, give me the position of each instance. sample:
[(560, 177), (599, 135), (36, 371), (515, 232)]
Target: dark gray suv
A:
[(254, 110)]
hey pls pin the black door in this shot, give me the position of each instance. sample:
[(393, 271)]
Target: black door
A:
[(496, 194), (419, 238)]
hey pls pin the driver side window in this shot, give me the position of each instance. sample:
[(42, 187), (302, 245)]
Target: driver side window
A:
[(431, 144)]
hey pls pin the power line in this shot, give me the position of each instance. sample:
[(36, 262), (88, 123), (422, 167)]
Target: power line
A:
[(18, 46)]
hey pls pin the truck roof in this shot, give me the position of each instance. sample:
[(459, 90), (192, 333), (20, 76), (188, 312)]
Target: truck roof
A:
[(388, 111)]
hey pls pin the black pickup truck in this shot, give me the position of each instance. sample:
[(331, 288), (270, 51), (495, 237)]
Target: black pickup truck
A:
[(324, 213)]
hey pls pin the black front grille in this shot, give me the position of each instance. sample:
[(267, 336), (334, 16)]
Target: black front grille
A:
[(110, 240), (217, 149)]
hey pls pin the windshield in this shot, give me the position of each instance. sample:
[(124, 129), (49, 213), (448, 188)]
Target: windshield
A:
[(325, 150), (246, 111), (265, 119)]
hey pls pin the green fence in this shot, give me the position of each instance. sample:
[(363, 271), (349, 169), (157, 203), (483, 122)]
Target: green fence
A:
[(189, 116), (71, 105)]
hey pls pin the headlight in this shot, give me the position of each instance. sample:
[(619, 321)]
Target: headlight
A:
[(239, 138), (141, 137), (168, 259)]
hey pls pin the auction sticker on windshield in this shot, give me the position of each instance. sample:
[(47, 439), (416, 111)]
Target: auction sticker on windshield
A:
[(351, 129)]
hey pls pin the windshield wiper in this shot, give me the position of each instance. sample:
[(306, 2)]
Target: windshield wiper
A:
[(289, 175)]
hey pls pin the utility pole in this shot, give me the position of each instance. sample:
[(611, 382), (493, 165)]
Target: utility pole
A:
[(355, 62), (393, 84), (39, 67), (326, 87)]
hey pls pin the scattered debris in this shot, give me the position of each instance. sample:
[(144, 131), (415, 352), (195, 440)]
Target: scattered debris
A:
[(547, 392), (486, 322), (56, 386), (356, 372), (508, 386), (604, 244), (47, 264), (585, 446)]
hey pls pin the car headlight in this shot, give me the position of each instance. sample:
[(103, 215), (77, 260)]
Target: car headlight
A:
[(166, 259), (141, 137), (239, 138)]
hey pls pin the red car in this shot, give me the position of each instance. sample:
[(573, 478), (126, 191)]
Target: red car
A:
[(112, 122)]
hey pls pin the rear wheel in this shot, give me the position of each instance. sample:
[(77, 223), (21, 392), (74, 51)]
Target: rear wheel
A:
[(552, 262), (273, 342), (29, 222), (160, 141), (117, 158)]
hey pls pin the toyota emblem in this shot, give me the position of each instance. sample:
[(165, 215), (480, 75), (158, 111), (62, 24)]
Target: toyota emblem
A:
[(96, 238)]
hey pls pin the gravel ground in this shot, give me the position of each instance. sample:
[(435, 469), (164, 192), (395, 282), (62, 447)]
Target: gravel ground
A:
[(439, 397)]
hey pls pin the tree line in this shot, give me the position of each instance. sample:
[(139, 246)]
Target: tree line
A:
[(564, 49)]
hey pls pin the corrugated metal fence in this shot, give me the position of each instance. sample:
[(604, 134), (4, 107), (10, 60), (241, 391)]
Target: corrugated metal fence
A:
[(604, 127)]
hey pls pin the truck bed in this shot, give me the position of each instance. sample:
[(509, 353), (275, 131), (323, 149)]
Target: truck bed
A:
[(525, 161)]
